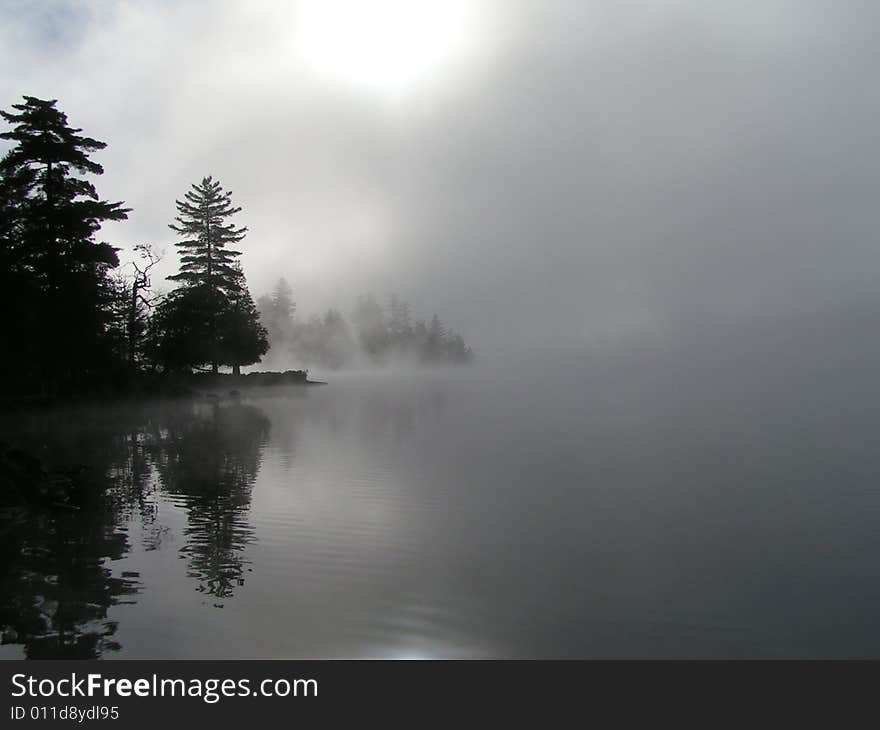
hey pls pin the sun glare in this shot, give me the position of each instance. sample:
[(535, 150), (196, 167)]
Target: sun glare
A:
[(387, 46)]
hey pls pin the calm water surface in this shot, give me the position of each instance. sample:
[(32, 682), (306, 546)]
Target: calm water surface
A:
[(541, 513)]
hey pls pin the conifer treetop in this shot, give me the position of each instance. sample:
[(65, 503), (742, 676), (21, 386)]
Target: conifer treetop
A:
[(43, 135), (202, 222)]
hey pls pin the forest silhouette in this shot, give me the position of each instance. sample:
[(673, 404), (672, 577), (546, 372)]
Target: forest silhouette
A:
[(369, 336), (58, 582), (73, 320)]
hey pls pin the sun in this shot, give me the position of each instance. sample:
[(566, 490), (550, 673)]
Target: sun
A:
[(387, 46)]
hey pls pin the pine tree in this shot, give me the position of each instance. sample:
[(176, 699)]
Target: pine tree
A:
[(211, 318), (282, 299), (436, 340), (206, 260), (202, 217), (51, 236), (399, 323), (64, 211)]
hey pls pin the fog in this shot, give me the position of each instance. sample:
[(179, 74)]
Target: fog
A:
[(646, 231), (572, 172)]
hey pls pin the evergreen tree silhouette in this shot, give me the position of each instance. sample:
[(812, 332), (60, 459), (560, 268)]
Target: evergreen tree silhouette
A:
[(54, 215), (436, 340), (211, 318), (206, 260), (399, 324)]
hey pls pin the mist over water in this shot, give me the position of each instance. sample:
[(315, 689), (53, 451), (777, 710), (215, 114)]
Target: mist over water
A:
[(654, 223), (704, 497)]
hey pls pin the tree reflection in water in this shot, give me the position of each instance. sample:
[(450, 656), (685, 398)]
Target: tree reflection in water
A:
[(56, 585), (57, 582), (207, 459)]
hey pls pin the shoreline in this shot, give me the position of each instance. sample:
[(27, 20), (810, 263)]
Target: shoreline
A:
[(142, 385)]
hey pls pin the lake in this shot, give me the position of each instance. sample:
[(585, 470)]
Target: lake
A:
[(647, 504)]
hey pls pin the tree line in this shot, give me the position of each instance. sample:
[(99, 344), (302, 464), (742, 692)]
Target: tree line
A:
[(72, 317), (371, 334)]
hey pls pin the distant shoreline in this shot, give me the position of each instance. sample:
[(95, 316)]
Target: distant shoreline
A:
[(159, 385)]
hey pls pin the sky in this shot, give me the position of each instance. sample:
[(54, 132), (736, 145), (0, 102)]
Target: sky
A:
[(536, 173)]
